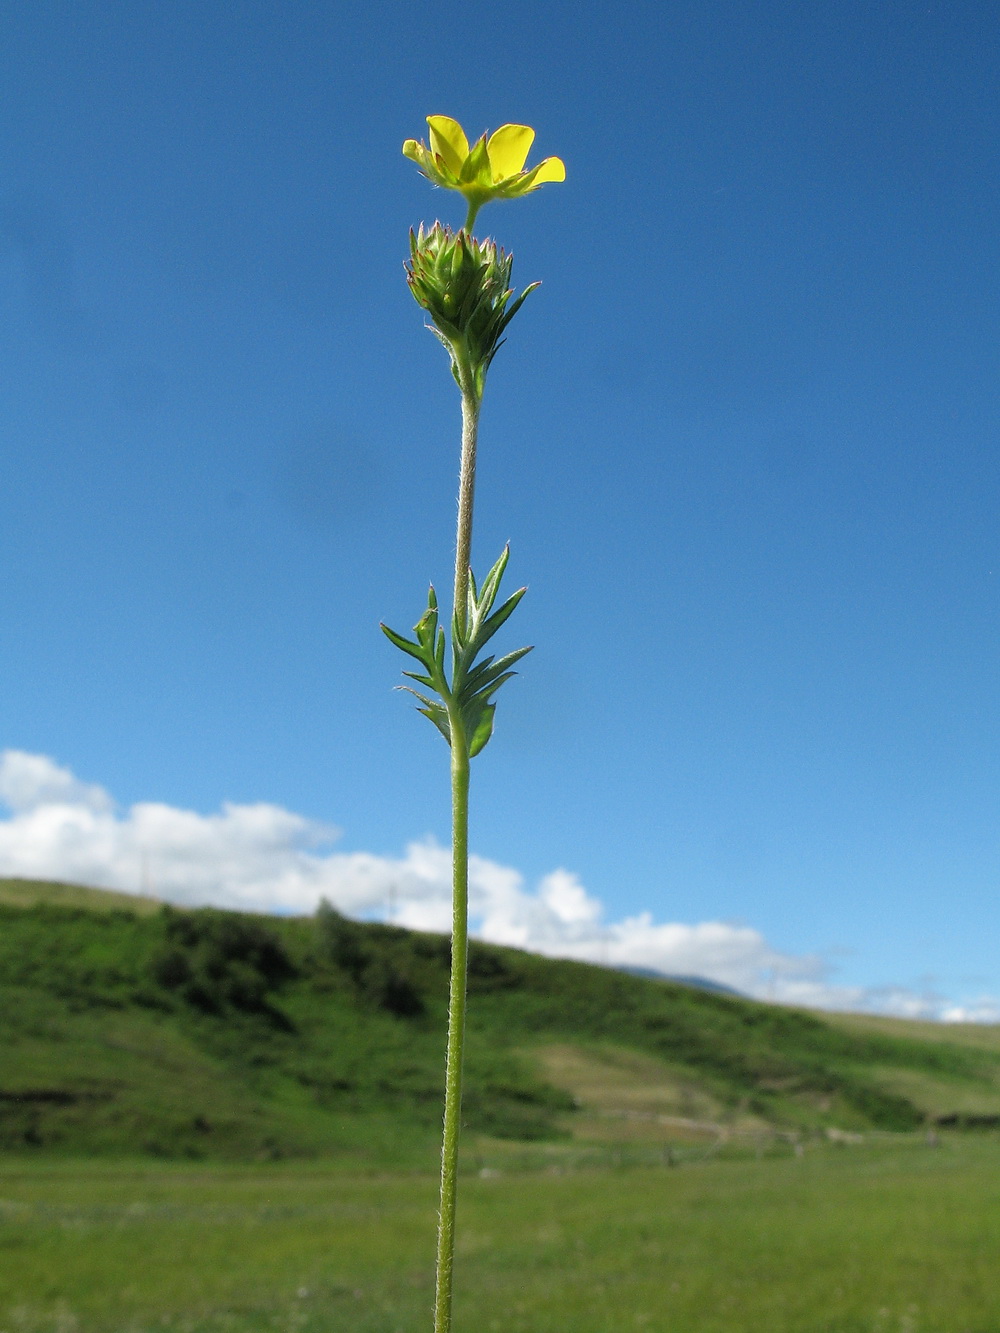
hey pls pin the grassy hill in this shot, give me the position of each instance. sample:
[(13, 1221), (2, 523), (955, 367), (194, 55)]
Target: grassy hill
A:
[(127, 1028), (31, 892)]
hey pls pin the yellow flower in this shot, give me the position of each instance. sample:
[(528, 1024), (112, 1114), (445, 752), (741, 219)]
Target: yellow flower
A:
[(493, 168)]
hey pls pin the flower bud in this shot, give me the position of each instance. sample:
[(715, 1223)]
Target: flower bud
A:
[(464, 285)]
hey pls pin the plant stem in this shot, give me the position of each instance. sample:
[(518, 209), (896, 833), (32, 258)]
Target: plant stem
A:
[(459, 877), (456, 1024), (466, 494)]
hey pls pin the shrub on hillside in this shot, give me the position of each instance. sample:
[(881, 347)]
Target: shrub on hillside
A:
[(216, 961), (380, 966)]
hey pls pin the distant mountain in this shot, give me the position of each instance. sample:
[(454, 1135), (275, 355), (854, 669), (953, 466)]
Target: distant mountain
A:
[(699, 983), (130, 1028)]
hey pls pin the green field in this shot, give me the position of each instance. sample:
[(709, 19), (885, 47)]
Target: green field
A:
[(896, 1236), (219, 1121)]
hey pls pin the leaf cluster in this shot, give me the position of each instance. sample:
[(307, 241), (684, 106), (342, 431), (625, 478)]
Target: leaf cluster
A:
[(466, 709)]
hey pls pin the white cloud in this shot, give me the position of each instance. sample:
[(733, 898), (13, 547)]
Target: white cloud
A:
[(31, 780), (264, 858), (984, 1009)]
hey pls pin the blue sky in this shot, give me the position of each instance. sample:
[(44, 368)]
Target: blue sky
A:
[(742, 442)]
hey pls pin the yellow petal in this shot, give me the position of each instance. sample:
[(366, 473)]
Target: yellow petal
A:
[(411, 149), (508, 149), (552, 169), (449, 142)]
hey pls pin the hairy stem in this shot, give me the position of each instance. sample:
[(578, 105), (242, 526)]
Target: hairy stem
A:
[(466, 494), (456, 1021), (460, 877)]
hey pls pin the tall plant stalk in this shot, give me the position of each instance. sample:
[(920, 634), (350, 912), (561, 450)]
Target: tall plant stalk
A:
[(458, 985), (466, 494), (464, 286)]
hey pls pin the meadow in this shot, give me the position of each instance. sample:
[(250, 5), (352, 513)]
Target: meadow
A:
[(217, 1122), (896, 1235)]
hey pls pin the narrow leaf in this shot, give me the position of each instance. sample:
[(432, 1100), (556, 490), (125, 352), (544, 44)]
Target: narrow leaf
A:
[(491, 584), (440, 719), (458, 637), (405, 645), (421, 680), (470, 682), (488, 691), (426, 629), (490, 626), (483, 731), (515, 306), (430, 703), (489, 670)]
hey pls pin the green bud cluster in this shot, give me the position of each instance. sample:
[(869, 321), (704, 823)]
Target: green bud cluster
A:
[(464, 285)]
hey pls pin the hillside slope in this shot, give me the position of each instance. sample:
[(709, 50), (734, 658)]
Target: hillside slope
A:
[(127, 1028)]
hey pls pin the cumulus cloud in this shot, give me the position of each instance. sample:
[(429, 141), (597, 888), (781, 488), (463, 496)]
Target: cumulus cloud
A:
[(31, 780), (264, 858)]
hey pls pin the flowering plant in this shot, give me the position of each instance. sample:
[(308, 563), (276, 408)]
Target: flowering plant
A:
[(464, 286)]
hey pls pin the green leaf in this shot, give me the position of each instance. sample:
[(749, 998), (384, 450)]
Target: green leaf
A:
[(432, 710), (421, 680), (471, 681), (508, 659), (491, 584), (488, 670), (445, 339), (481, 697), (490, 626), (405, 645), (426, 631), (440, 719), (483, 731), (430, 703), (457, 634), (515, 306)]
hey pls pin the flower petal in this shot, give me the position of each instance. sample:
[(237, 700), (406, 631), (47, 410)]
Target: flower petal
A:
[(508, 149), (449, 142), (552, 169), (432, 167)]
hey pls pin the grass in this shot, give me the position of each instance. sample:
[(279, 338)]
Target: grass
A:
[(892, 1236), (31, 892), (981, 1036)]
